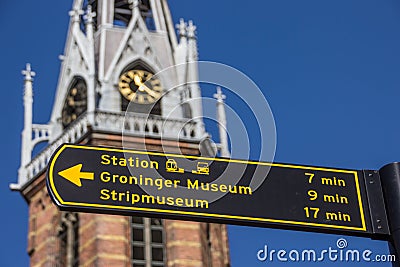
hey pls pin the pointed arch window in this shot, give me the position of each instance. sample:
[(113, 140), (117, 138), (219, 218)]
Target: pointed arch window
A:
[(68, 240)]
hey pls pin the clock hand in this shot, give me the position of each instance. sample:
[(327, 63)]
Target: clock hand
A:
[(149, 91), (142, 87), (138, 81)]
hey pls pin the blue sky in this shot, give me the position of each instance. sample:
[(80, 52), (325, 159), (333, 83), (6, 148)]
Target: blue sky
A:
[(329, 70)]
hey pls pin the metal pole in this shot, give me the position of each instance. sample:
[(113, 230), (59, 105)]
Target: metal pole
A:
[(390, 178)]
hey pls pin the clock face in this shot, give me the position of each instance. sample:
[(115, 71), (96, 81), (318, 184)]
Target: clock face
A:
[(75, 104), (140, 86)]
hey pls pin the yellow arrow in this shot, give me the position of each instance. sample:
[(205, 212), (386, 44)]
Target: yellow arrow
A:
[(74, 174)]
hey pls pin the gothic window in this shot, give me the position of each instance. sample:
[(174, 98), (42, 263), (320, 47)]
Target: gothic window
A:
[(68, 240), (185, 95), (187, 111), (123, 13), (148, 242)]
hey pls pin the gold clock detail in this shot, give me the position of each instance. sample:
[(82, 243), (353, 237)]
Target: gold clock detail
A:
[(140, 86), (75, 104)]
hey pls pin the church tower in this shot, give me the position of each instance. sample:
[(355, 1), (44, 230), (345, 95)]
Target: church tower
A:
[(126, 80)]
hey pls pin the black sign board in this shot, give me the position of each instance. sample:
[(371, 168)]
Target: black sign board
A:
[(116, 181)]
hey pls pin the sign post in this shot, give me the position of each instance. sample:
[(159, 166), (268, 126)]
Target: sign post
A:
[(116, 181), (390, 175)]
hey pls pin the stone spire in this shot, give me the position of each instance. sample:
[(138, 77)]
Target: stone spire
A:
[(193, 76), (91, 105), (27, 132), (192, 41), (221, 118)]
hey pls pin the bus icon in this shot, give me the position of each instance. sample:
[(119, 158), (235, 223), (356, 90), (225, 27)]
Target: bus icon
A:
[(202, 168)]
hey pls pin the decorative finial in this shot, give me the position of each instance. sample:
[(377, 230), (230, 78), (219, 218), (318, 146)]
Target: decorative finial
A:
[(75, 14), (181, 27), (191, 30), (89, 15), (221, 118), (219, 95), (28, 73)]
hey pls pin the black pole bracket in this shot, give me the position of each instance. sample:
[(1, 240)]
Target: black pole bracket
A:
[(376, 203)]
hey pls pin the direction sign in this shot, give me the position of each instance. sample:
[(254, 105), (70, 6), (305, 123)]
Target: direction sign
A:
[(116, 181)]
